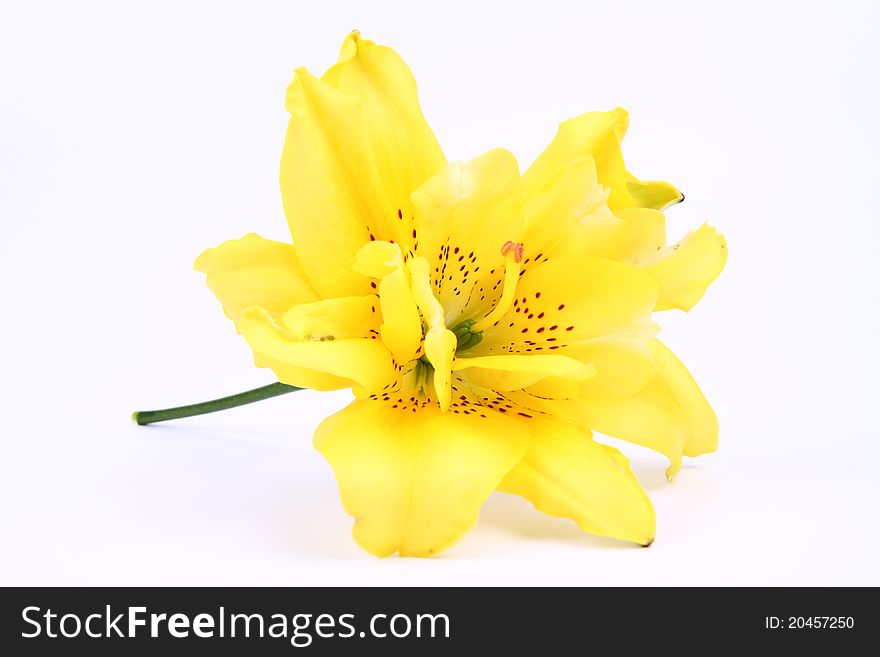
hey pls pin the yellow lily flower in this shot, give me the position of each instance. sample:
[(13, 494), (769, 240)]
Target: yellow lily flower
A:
[(486, 320)]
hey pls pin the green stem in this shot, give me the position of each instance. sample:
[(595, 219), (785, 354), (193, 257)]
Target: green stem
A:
[(242, 398)]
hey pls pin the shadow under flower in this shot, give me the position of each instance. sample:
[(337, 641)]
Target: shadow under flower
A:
[(514, 515), (285, 492)]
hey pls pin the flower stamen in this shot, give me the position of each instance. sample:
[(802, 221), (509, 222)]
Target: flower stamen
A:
[(465, 338), (513, 254)]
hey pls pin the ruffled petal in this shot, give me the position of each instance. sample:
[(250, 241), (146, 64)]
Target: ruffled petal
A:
[(558, 206), (654, 194), (599, 134), (253, 271), (357, 145), (629, 235), (319, 364), (670, 414), (569, 475), (404, 148), (466, 213), (684, 270), (415, 481)]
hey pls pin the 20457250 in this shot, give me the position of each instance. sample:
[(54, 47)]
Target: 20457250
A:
[(809, 622)]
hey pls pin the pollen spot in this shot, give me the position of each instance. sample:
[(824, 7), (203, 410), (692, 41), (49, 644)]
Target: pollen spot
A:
[(399, 213), (561, 306), (513, 247)]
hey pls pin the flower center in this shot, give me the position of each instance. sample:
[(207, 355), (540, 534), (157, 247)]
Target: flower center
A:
[(414, 326), (469, 333), (465, 336)]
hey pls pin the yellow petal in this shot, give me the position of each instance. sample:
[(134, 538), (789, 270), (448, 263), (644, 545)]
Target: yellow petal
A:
[(684, 270), (440, 345), (253, 271), (567, 474), (557, 203), (563, 302), (512, 372), (401, 329), (630, 235), (637, 236), (623, 366), (403, 146), (378, 259), (415, 481), (440, 342), (329, 196), (334, 319), (357, 145), (549, 389), (322, 365), (599, 134), (654, 194), (465, 214), (669, 415), (643, 232), (567, 216)]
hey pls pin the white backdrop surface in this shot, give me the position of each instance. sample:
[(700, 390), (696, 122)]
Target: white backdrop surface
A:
[(135, 134)]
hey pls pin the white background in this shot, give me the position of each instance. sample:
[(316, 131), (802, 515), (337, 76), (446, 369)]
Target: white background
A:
[(135, 134)]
